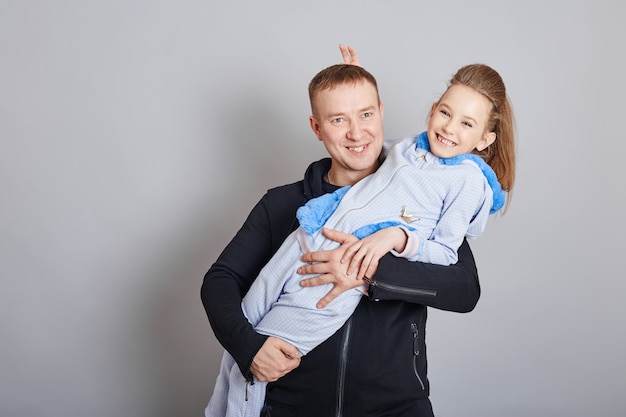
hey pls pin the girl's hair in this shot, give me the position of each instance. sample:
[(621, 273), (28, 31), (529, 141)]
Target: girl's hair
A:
[(336, 75), (500, 155)]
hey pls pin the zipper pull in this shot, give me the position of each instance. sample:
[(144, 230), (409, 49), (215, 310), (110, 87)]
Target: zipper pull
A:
[(423, 158), (416, 349), (248, 382), (370, 281)]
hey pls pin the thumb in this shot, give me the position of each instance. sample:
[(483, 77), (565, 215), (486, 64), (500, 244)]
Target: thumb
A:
[(336, 235), (289, 350)]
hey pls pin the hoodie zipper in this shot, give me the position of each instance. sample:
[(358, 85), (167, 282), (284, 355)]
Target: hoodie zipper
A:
[(343, 363), (416, 352), (249, 382), (382, 190), (400, 289), (423, 158)]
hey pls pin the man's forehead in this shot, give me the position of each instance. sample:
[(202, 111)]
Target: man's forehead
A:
[(351, 85), (362, 91)]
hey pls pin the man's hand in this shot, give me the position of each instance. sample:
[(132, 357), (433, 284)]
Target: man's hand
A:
[(330, 269), (349, 55), (363, 255), (275, 359)]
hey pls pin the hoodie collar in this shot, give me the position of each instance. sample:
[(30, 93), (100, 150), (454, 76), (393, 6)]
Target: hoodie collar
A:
[(499, 196), (314, 178)]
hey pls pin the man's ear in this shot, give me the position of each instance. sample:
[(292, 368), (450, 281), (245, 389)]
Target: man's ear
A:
[(315, 126), (381, 108), (487, 140)]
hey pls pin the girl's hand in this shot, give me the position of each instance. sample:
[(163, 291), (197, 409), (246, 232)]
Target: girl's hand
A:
[(349, 55), (363, 256)]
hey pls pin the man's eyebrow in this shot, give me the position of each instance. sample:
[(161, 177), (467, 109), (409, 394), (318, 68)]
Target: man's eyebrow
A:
[(368, 108), (343, 113)]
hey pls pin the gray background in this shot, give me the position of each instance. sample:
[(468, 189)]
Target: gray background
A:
[(137, 135)]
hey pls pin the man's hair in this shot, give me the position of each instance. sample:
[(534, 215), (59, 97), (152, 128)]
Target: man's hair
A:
[(336, 75)]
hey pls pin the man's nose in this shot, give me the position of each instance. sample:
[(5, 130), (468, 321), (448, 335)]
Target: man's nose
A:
[(355, 131)]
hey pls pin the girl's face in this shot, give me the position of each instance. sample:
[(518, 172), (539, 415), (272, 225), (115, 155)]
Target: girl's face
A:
[(458, 123)]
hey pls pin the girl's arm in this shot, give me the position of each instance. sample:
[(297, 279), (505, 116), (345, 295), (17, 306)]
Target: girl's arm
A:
[(363, 256), (454, 287)]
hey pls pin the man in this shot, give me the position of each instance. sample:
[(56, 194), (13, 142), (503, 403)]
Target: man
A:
[(375, 365)]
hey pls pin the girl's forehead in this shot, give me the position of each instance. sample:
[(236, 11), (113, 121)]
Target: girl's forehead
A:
[(466, 99)]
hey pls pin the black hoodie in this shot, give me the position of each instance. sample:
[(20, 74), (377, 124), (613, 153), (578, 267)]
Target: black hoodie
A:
[(375, 365)]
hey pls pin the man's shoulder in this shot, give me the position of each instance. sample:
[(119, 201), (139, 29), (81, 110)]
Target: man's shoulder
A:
[(283, 200), (310, 186), (285, 190)]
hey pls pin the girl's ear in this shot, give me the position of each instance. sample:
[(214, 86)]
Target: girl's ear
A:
[(487, 140)]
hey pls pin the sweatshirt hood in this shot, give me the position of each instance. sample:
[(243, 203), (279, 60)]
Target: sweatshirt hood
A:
[(314, 178)]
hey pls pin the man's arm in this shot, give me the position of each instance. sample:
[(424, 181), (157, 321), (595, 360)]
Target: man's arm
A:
[(454, 287), (224, 286)]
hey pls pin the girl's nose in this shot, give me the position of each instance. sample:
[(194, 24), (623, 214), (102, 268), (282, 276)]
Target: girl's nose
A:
[(448, 127)]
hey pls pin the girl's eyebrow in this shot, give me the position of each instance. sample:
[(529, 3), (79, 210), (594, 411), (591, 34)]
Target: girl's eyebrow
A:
[(471, 119), (462, 116)]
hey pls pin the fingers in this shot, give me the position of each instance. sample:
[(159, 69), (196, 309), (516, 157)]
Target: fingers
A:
[(355, 59), (338, 236), (310, 257), (356, 264), (357, 259), (326, 256), (330, 296), (368, 269), (317, 267), (315, 281), (321, 280), (275, 359), (349, 254), (289, 350), (349, 55), (345, 54), (371, 270)]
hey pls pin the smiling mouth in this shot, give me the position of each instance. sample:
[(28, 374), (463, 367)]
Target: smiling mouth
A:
[(358, 149), (445, 141)]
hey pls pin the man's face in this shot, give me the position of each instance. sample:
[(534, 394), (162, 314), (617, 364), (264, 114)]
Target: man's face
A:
[(349, 120)]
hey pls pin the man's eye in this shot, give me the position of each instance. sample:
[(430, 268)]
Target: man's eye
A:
[(337, 120), (368, 114)]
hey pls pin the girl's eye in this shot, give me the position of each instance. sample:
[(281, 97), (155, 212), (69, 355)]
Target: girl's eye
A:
[(468, 124), (444, 112)]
